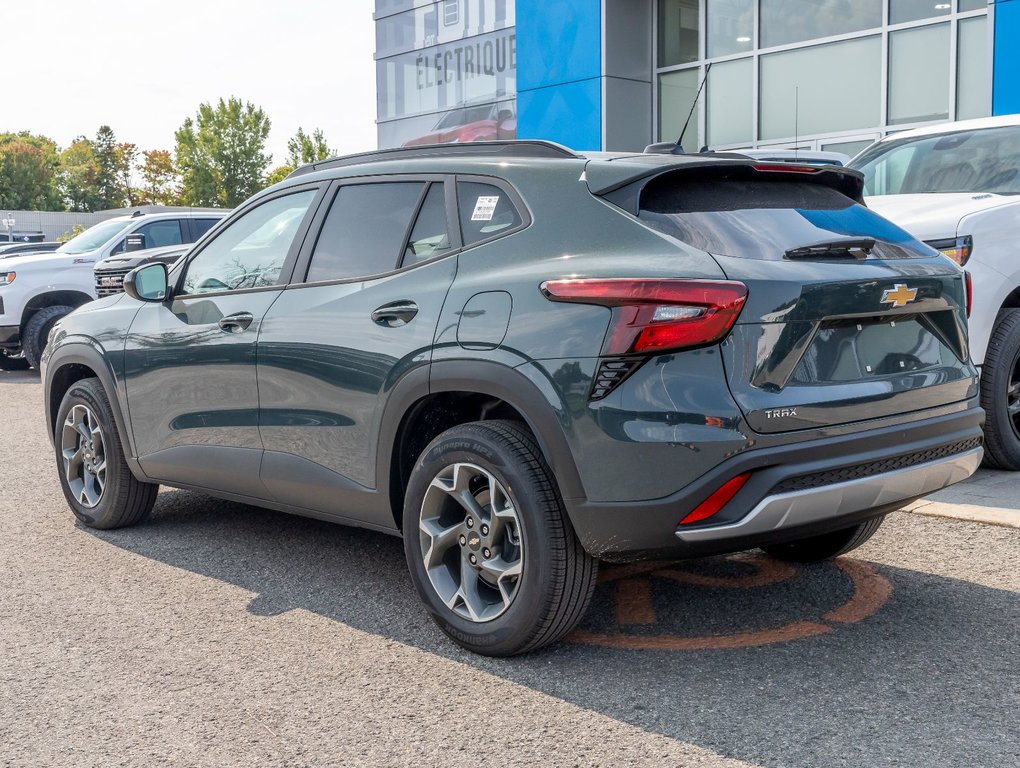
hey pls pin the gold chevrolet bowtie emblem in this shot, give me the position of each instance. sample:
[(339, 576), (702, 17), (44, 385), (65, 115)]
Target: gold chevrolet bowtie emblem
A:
[(899, 295)]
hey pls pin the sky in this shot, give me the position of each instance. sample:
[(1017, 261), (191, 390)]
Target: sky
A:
[(69, 66)]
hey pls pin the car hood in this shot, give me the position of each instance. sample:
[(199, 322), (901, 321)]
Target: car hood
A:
[(937, 215)]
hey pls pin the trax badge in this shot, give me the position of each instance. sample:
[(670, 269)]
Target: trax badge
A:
[(780, 413), (899, 295)]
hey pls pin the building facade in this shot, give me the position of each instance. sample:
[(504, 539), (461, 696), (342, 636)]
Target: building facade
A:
[(728, 74)]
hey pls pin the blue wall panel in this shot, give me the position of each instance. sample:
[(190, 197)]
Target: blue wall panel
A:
[(1006, 58), (559, 71)]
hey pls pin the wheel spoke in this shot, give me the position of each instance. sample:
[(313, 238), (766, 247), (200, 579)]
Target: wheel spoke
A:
[(440, 540), (468, 591), (501, 572), (72, 463)]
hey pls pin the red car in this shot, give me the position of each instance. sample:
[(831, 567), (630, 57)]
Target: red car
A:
[(488, 122)]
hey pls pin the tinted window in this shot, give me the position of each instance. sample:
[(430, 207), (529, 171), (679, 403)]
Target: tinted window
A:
[(157, 234), (766, 219), (429, 237), (364, 230), (251, 251), (201, 226), (485, 211)]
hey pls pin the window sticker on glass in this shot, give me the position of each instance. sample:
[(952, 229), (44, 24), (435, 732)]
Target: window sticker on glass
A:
[(485, 207)]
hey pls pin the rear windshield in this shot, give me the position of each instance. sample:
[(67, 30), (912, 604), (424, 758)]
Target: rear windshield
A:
[(763, 219)]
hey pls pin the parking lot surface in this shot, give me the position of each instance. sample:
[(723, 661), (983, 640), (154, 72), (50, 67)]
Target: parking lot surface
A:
[(219, 634)]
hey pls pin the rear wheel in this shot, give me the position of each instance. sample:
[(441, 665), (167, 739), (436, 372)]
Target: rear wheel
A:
[(827, 545), (94, 476), (37, 331), (1000, 393), (488, 542)]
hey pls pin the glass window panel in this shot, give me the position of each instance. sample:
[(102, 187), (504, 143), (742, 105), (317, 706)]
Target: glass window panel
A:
[(912, 10), (973, 73), (429, 237), (730, 102), (678, 32), (364, 230), (790, 21), (973, 5), (848, 148), (730, 26), (485, 211), (822, 89), (918, 86), (677, 91)]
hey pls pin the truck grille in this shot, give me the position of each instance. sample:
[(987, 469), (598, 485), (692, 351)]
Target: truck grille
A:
[(858, 471), (110, 281)]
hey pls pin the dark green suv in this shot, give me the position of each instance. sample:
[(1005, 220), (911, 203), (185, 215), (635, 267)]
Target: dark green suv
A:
[(526, 360)]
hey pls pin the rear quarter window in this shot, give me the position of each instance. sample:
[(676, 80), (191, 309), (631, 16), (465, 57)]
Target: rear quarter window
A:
[(486, 211)]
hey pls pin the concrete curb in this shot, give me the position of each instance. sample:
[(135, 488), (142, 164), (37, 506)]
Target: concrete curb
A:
[(972, 513)]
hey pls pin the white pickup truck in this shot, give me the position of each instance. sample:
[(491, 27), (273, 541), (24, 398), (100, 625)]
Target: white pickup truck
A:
[(957, 187), (37, 289)]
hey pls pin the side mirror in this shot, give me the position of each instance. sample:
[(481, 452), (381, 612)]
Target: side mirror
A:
[(147, 283), (134, 242)]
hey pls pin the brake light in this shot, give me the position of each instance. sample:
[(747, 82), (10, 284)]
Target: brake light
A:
[(957, 249), (969, 281), (785, 168), (723, 496), (657, 315)]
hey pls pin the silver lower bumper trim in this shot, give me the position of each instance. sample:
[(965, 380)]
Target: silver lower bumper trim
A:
[(787, 510)]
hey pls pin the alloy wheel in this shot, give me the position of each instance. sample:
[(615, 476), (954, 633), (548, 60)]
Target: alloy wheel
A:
[(1013, 397), (471, 542), (83, 449)]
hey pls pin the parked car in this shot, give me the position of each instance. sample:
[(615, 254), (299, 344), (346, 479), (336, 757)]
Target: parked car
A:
[(803, 157), (19, 249), (957, 187), (485, 122), (110, 273), (524, 374), (36, 290)]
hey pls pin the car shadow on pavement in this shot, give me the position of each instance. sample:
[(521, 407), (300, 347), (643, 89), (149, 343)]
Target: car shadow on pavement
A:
[(824, 665)]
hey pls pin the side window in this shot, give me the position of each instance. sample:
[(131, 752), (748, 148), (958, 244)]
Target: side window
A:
[(364, 230), (251, 251), (201, 226), (157, 234), (485, 211), (429, 237)]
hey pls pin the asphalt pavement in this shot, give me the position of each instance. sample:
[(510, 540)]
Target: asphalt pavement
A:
[(217, 634)]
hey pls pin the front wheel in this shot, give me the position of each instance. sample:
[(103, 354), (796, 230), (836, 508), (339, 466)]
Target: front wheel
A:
[(1000, 393), (96, 480), (826, 546), (488, 542), (37, 332)]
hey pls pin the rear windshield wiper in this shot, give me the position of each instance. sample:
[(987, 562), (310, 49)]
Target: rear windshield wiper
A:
[(849, 248)]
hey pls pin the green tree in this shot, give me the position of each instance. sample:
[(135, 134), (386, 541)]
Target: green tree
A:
[(28, 166), (304, 148), (221, 153), (79, 176), (159, 178), (108, 180), (277, 175), (127, 159)]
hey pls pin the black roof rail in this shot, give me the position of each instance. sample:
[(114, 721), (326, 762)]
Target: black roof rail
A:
[(495, 149)]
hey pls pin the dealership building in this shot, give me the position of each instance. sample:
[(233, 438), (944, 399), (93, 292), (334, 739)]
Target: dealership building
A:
[(620, 74)]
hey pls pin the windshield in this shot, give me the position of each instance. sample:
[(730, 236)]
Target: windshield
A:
[(981, 161), (93, 238)]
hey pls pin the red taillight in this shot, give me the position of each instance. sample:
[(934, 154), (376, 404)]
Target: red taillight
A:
[(970, 291), (717, 500), (657, 315)]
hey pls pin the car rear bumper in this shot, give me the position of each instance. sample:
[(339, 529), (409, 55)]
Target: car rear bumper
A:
[(794, 491), (10, 336)]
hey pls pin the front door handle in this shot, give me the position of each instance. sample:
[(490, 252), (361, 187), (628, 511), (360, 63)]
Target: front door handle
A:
[(395, 314), (236, 322)]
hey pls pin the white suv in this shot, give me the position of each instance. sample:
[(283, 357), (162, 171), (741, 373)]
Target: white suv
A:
[(957, 187), (38, 289)]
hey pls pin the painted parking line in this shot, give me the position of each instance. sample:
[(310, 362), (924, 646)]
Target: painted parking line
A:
[(631, 587)]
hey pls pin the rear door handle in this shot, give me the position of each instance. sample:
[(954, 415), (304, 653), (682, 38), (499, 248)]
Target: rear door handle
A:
[(236, 322), (395, 314)]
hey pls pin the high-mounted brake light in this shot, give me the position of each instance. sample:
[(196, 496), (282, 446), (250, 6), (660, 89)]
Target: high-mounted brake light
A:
[(719, 499), (786, 168), (657, 315)]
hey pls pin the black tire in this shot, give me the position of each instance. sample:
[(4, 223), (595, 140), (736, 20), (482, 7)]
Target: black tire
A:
[(124, 500), (557, 576), (827, 545), (37, 331), (1000, 373), (12, 363)]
